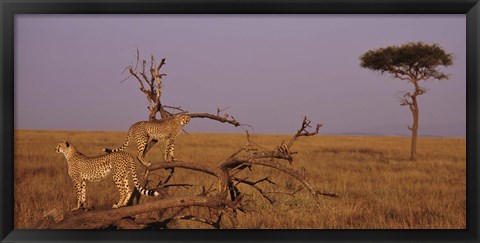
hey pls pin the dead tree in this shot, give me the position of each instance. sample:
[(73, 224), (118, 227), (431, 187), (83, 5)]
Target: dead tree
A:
[(223, 202), (149, 77)]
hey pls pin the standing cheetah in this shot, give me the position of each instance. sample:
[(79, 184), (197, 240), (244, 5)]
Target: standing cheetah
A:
[(142, 131), (82, 168)]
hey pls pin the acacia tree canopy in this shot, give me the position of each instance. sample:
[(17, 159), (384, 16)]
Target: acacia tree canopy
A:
[(412, 61)]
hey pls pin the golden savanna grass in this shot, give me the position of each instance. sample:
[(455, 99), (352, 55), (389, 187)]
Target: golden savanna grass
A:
[(379, 187)]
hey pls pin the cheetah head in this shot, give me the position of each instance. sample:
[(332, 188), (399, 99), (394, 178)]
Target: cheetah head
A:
[(184, 119), (62, 147)]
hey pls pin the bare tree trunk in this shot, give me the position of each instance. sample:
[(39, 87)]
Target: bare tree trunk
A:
[(105, 218)]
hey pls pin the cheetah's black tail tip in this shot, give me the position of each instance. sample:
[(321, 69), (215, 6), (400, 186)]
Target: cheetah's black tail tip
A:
[(107, 150)]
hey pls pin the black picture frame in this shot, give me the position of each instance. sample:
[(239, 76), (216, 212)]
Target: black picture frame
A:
[(471, 8)]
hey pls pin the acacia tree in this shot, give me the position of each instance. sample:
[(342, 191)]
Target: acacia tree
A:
[(412, 62)]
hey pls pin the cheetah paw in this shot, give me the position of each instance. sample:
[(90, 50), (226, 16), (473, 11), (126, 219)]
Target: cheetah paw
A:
[(147, 164)]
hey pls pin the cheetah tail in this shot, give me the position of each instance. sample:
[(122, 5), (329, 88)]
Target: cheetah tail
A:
[(135, 181), (121, 148)]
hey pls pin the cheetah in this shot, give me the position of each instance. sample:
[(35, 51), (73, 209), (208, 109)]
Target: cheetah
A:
[(142, 131), (82, 168)]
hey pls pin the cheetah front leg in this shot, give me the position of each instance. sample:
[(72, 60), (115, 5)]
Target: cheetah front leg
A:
[(80, 189), (84, 194)]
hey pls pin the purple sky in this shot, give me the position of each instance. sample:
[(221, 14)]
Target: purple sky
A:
[(271, 70)]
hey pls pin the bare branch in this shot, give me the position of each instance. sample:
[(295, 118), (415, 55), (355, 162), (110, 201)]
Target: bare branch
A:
[(303, 131), (247, 148), (229, 119), (295, 174), (134, 73), (178, 108), (138, 58), (161, 65), (254, 185), (288, 193), (205, 192), (215, 224), (282, 151), (222, 110), (184, 165), (176, 185)]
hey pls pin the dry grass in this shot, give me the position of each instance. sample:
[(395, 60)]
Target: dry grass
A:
[(379, 187)]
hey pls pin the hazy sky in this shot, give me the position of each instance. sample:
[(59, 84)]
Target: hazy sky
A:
[(270, 69)]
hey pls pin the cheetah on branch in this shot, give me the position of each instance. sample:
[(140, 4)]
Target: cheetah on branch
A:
[(143, 131), (82, 168)]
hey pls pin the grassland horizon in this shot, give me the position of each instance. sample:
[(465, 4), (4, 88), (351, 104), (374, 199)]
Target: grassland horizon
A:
[(353, 134), (379, 187)]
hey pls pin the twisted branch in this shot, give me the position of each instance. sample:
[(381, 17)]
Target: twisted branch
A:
[(104, 218)]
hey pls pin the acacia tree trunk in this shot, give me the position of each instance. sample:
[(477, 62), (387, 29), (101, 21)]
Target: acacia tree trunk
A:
[(414, 129), (413, 105)]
